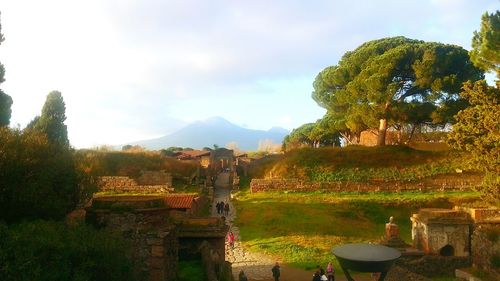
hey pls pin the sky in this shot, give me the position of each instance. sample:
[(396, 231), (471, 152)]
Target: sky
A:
[(138, 69)]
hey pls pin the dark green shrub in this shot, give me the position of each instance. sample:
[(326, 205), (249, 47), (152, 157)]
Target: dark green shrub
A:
[(48, 251), (38, 179), (495, 261)]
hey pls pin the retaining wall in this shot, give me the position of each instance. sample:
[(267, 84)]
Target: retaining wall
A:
[(122, 184), (296, 185)]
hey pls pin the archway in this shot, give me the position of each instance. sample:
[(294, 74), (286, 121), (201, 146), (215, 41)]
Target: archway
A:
[(447, 251)]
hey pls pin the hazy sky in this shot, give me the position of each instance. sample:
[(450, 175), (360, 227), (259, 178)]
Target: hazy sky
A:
[(136, 69)]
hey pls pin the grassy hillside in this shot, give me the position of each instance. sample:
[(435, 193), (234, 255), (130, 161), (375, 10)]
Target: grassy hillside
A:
[(357, 163)]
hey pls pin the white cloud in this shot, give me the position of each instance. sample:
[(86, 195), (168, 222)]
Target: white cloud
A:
[(129, 69)]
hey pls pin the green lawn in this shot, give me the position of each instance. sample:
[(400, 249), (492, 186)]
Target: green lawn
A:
[(191, 270), (301, 228)]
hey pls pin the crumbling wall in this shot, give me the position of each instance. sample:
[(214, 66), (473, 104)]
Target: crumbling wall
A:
[(155, 178), (431, 266), (123, 184), (152, 236), (486, 247)]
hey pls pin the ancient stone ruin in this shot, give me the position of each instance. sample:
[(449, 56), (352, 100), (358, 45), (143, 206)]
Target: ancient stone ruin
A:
[(442, 232), (162, 230), (148, 182)]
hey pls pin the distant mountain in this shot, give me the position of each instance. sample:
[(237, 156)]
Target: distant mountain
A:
[(215, 130)]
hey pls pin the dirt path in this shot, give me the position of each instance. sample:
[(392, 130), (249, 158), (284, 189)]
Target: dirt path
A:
[(256, 266)]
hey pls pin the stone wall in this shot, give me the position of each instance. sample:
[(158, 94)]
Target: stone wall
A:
[(155, 178), (122, 184), (486, 247), (152, 236), (216, 269), (398, 273), (481, 213), (442, 232), (452, 183), (431, 266)]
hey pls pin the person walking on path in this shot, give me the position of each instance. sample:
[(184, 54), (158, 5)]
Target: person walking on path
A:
[(276, 272), (219, 208), (226, 209), (330, 272), (230, 239), (242, 276)]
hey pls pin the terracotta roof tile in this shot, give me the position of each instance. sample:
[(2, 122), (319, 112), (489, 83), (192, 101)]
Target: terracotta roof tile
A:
[(196, 153), (180, 201)]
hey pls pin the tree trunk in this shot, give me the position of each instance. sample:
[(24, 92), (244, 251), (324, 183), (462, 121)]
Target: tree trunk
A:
[(382, 130), (411, 134)]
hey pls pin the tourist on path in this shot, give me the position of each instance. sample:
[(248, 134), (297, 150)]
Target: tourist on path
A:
[(242, 276), (230, 239), (330, 272), (226, 209), (221, 208), (276, 272), (317, 274)]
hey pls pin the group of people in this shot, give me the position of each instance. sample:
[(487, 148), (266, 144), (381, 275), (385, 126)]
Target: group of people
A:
[(322, 275), (319, 275), (222, 208)]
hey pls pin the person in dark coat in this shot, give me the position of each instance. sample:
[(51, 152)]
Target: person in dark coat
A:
[(226, 209), (276, 272), (219, 207), (317, 274), (242, 276)]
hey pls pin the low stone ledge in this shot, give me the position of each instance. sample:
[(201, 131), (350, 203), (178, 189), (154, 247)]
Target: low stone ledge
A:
[(296, 185)]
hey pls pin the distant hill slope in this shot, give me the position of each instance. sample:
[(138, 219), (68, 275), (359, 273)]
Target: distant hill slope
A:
[(215, 130), (360, 164)]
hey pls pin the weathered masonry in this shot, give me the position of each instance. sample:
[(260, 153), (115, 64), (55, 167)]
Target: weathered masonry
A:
[(161, 230), (442, 232)]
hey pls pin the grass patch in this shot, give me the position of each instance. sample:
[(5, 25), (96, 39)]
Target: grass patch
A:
[(302, 228), (357, 163), (191, 270)]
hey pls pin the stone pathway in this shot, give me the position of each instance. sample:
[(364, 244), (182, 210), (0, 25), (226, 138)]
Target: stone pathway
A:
[(255, 266)]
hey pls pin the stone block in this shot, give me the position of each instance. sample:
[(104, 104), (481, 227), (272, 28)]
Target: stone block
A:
[(157, 263), (157, 275), (157, 251), (154, 241)]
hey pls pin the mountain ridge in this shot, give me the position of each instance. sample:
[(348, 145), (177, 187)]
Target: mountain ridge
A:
[(214, 130)]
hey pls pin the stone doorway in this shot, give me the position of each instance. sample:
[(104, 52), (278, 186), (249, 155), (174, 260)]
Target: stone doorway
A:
[(447, 251)]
